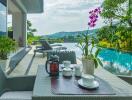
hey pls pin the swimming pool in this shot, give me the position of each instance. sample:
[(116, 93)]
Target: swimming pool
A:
[(110, 58), (119, 58)]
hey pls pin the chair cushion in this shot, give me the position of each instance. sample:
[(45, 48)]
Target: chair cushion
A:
[(17, 95)]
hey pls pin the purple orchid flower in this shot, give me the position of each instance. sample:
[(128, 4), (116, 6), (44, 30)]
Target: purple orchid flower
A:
[(94, 17)]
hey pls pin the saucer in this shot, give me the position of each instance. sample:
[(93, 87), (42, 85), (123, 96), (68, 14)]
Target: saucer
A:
[(89, 86)]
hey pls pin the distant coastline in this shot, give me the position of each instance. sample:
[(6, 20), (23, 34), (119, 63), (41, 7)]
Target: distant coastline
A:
[(68, 34), (2, 33)]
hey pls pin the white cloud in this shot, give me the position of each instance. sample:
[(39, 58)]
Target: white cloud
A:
[(64, 15)]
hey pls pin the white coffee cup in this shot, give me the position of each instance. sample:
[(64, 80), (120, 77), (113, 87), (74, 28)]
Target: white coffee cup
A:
[(87, 79), (67, 63)]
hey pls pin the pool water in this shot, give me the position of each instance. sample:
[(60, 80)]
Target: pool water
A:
[(121, 59), (118, 60)]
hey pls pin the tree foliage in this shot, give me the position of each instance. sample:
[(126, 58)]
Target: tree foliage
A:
[(117, 10), (30, 33), (30, 30), (118, 32)]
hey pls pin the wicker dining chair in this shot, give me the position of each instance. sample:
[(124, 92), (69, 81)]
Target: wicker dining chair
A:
[(64, 56)]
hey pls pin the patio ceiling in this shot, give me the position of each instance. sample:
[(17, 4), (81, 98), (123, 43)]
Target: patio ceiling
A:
[(3, 2), (29, 6)]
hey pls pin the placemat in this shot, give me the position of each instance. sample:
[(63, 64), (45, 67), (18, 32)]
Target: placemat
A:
[(69, 86)]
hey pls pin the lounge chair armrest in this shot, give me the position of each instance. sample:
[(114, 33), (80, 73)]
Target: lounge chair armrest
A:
[(56, 45), (39, 47), (22, 83)]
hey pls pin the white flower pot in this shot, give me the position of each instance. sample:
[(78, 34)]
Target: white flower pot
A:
[(88, 66), (4, 64)]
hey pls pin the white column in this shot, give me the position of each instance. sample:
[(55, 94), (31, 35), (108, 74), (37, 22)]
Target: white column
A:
[(25, 29), (19, 27)]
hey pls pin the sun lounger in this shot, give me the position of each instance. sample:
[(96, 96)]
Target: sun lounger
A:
[(46, 47)]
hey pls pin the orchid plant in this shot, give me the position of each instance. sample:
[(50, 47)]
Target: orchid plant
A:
[(85, 41)]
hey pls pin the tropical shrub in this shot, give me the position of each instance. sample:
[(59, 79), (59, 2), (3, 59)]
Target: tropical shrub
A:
[(6, 46), (121, 38)]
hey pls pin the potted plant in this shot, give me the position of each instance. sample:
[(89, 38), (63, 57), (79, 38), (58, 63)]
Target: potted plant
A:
[(86, 43), (6, 46)]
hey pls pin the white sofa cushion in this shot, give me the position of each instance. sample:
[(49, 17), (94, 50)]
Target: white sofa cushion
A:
[(17, 95)]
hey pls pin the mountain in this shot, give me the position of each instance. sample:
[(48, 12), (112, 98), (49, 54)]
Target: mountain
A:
[(65, 34)]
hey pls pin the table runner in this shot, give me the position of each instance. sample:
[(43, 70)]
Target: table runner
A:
[(69, 86)]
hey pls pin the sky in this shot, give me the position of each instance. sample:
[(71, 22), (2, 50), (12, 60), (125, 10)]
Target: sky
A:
[(64, 15), (2, 18)]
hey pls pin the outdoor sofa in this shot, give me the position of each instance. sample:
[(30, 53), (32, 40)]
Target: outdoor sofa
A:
[(16, 88), (16, 58)]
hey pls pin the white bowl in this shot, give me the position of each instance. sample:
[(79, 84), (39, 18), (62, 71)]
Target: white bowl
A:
[(67, 72)]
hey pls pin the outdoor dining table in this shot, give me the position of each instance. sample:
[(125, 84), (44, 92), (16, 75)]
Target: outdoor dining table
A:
[(42, 87)]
